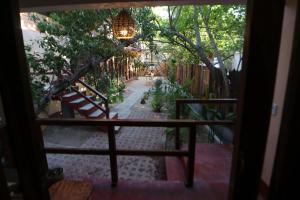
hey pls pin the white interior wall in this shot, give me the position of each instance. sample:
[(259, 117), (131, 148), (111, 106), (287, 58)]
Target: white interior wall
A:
[(280, 86)]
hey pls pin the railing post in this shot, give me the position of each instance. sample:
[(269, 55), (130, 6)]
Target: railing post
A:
[(177, 131), (107, 109), (4, 192), (191, 157), (113, 156)]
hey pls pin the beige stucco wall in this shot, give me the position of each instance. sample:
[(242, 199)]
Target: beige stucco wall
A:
[(31, 36), (280, 86), (30, 32)]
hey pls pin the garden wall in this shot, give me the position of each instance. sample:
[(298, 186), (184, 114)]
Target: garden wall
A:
[(123, 68), (199, 75), (202, 82)]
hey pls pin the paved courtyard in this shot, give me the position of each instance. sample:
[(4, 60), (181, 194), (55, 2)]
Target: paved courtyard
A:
[(133, 93), (98, 167)]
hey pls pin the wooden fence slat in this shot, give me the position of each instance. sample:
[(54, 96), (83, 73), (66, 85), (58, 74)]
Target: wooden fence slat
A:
[(197, 73)]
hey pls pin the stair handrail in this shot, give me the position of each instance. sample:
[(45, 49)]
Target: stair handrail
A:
[(97, 93), (88, 87), (88, 99), (93, 90)]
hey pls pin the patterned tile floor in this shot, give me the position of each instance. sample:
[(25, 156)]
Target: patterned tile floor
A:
[(97, 167)]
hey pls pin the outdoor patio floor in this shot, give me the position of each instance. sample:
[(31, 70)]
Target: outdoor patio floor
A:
[(140, 178), (156, 190), (211, 181), (78, 167)]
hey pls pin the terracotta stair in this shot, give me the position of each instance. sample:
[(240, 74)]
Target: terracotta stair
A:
[(91, 107), (88, 106), (212, 164)]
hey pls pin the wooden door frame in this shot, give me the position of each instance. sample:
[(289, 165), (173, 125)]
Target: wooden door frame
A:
[(4, 192), (23, 133), (286, 165), (261, 49)]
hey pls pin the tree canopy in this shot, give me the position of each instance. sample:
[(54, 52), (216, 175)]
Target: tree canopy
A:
[(196, 34), (78, 41), (81, 39)]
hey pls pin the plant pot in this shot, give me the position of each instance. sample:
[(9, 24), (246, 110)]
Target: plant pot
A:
[(54, 175)]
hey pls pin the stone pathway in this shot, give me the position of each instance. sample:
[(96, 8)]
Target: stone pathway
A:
[(136, 89), (98, 167)]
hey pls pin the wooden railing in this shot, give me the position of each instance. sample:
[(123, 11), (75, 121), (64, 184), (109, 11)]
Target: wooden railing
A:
[(113, 152), (89, 100), (95, 92), (92, 90), (180, 102)]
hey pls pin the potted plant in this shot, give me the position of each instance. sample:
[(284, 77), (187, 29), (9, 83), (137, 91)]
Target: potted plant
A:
[(157, 101)]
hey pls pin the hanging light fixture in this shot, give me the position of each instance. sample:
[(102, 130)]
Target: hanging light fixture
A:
[(123, 26)]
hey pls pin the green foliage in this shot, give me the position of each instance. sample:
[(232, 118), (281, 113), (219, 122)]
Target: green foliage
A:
[(38, 77), (116, 91), (226, 23), (158, 96), (171, 72), (165, 93), (106, 84), (37, 92), (198, 34), (145, 97), (74, 38), (147, 27), (173, 90), (183, 133), (213, 113)]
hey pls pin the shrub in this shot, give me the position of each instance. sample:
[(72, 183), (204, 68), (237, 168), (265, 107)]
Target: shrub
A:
[(158, 96), (173, 91), (146, 95), (110, 87), (143, 101)]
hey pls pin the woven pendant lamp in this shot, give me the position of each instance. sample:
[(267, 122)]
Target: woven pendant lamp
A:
[(123, 26)]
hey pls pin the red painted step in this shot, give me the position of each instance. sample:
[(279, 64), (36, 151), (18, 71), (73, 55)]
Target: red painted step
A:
[(79, 102), (86, 107), (212, 164), (174, 169), (70, 96), (158, 190)]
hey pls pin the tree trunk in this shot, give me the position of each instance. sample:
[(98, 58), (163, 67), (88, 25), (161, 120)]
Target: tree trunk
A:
[(188, 44), (85, 68), (201, 53), (217, 53)]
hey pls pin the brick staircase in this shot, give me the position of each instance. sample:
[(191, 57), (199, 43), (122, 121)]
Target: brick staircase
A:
[(92, 106), (212, 164), (88, 106)]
